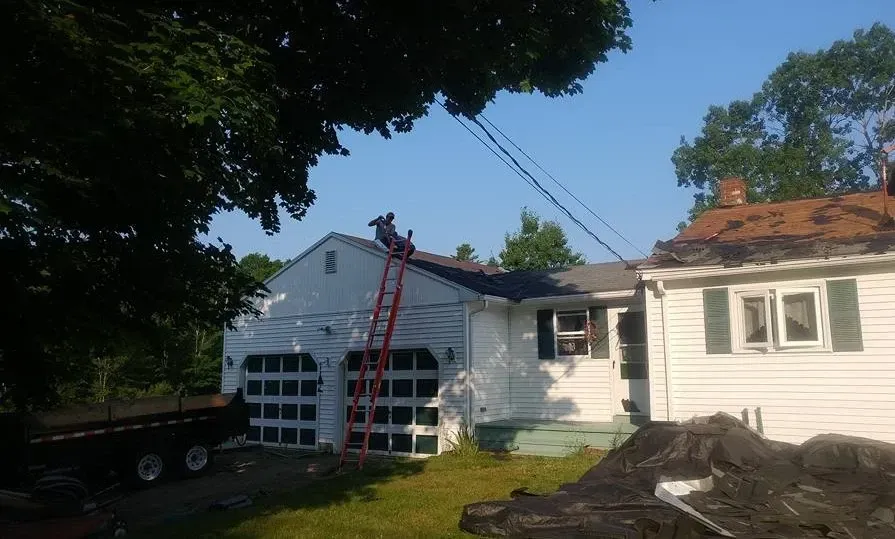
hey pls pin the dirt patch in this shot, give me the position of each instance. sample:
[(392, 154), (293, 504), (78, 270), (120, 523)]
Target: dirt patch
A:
[(254, 472)]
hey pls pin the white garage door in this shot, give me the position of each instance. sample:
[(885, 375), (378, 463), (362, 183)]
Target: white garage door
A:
[(407, 409), (281, 391)]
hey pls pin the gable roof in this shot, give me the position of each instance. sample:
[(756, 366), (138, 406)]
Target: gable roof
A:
[(850, 224), (519, 285)]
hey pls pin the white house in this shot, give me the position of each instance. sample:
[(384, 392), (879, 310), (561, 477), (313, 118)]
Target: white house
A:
[(787, 308), (513, 353)]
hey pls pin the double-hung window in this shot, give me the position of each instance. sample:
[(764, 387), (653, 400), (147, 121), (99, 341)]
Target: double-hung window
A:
[(571, 337)]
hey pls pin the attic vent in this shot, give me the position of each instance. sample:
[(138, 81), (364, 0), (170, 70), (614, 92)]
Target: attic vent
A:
[(330, 262)]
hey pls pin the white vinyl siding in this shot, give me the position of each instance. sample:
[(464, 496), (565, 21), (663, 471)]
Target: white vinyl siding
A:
[(437, 327), (801, 392), (491, 365), (565, 388)]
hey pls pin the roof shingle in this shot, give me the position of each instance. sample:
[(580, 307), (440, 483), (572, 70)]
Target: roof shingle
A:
[(806, 228), (518, 285)]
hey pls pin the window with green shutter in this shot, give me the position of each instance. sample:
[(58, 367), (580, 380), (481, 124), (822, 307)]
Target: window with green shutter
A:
[(778, 318)]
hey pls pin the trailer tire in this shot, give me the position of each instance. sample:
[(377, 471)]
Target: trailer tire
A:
[(196, 459), (147, 468)]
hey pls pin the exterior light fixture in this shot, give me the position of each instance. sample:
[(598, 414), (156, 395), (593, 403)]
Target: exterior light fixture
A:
[(450, 355)]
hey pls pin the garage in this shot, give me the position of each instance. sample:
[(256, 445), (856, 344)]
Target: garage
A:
[(407, 410), (281, 390)]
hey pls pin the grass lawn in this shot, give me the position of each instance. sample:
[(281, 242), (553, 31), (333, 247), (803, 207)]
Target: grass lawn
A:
[(417, 498)]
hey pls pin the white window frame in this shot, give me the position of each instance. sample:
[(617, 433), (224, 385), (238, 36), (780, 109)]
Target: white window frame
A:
[(557, 334), (740, 318), (783, 342), (777, 342)]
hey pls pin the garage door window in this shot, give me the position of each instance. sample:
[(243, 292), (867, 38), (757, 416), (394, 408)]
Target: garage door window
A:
[(281, 390), (407, 409)]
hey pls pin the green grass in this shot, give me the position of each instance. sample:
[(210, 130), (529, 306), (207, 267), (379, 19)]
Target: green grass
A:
[(407, 498)]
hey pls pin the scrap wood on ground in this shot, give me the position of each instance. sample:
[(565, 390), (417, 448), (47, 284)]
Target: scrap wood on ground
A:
[(711, 477)]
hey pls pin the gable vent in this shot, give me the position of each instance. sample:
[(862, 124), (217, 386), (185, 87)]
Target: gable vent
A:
[(330, 262)]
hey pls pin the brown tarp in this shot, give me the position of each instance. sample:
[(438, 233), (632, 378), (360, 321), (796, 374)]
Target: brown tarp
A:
[(831, 486)]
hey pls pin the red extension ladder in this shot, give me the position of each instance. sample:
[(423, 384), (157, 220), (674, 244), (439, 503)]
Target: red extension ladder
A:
[(389, 286)]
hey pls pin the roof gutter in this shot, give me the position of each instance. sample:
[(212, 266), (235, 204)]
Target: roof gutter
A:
[(598, 296), (761, 267)]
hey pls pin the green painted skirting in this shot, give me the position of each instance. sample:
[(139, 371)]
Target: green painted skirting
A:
[(550, 438)]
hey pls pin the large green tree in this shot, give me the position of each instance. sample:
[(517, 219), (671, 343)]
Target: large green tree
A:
[(260, 266), (537, 245), (816, 127), (127, 126)]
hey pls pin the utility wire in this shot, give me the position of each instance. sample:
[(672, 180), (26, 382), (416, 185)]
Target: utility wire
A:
[(534, 182), (557, 182)]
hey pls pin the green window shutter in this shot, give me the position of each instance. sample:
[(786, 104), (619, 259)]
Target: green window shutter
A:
[(845, 315), (600, 319), (546, 348), (716, 313)]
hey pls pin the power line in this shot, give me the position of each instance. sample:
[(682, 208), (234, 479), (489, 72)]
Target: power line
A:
[(557, 182), (534, 182)]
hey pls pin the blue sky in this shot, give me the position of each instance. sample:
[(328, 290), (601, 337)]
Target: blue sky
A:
[(611, 146)]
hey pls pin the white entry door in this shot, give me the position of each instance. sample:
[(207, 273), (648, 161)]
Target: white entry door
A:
[(630, 367)]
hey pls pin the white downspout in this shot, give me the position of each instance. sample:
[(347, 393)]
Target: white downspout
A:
[(469, 366), (666, 345)]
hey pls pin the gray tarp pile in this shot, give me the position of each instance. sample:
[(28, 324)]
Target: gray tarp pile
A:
[(746, 487)]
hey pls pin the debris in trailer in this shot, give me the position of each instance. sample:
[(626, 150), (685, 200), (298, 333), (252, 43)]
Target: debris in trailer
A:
[(711, 477)]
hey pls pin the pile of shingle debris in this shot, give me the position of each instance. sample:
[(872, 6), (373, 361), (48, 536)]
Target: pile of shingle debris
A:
[(711, 477)]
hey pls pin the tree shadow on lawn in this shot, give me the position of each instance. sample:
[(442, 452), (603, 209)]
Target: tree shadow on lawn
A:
[(331, 489)]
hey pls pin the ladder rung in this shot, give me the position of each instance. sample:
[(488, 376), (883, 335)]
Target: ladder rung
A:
[(355, 444)]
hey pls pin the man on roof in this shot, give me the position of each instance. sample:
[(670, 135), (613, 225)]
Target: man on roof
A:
[(385, 232)]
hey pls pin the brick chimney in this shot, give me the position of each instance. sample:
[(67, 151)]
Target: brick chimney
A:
[(732, 192)]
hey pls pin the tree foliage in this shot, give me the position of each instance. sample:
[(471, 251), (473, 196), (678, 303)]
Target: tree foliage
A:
[(466, 253), (537, 245), (126, 126), (815, 128), (260, 266)]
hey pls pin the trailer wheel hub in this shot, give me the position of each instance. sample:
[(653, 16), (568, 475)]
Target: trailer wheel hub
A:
[(150, 467), (196, 458)]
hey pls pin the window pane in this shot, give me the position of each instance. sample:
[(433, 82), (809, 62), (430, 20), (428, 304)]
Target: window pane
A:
[(272, 364), (378, 441), (271, 387), (253, 364), (360, 416), (427, 416), (290, 388), (402, 361), (309, 388), (402, 415), (289, 435), (425, 361), (634, 354), (572, 346), (633, 371), (426, 388), (254, 434), (289, 412), (309, 412), (271, 411), (308, 364), (255, 410), (402, 443), (426, 444), (354, 360), (574, 321), (801, 317), (755, 323), (271, 434), (380, 417), (631, 328), (307, 437), (253, 387), (402, 388), (290, 364), (383, 388)]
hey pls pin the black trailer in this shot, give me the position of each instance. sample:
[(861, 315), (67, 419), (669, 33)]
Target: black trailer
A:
[(141, 440)]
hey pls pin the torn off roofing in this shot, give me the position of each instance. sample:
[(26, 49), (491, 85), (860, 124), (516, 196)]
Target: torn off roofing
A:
[(518, 285), (843, 225)]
